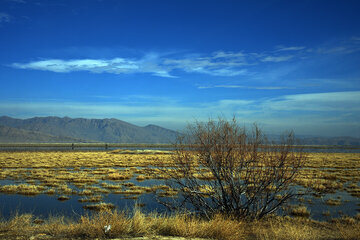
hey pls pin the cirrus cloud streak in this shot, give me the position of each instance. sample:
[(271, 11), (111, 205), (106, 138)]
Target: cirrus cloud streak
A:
[(218, 63)]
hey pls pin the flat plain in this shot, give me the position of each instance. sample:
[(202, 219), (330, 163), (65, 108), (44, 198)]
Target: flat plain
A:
[(92, 175)]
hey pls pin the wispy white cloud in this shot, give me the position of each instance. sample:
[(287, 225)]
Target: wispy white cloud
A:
[(222, 54), (338, 50), (221, 64), (246, 87), (332, 101), (295, 48), (329, 113), (57, 65), (277, 58), (225, 72), (349, 46), (4, 17), (218, 63), (116, 66)]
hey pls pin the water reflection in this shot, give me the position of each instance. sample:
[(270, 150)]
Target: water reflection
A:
[(45, 205), (97, 178)]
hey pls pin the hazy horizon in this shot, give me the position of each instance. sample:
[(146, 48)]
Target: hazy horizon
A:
[(267, 132), (286, 65)]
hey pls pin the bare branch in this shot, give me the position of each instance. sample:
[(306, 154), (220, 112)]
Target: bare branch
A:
[(220, 167)]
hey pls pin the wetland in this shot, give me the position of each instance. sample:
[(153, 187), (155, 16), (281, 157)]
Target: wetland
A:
[(58, 182), (75, 184)]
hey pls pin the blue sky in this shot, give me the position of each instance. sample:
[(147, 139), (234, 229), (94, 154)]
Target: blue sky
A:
[(287, 65)]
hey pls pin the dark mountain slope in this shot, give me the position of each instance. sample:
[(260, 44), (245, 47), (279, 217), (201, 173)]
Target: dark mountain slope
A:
[(55, 129), (13, 135), (100, 130)]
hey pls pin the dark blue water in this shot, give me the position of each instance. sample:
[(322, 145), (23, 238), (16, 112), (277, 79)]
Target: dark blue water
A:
[(47, 205), (317, 205), (44, 205)]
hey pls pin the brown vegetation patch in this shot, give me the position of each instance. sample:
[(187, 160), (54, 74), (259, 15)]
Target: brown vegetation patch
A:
[(178, 226)]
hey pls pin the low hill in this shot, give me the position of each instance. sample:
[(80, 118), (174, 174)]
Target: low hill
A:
[(13, 135), (56, 129), (93, 130), (339, 141)]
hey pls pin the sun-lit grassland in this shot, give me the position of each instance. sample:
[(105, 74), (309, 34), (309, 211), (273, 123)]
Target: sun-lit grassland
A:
[(96, 173), (87, 174), (26, 226), (105, 172), (329, 172), (91, 175)]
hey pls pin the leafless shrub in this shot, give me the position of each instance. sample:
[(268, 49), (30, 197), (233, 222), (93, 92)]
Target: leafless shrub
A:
[(220, 167)]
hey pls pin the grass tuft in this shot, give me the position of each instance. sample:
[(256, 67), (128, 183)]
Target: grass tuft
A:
[(138, 224), (300, 211)]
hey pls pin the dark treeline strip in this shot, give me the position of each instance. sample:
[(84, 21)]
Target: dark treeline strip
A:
[(84, 145), (141, 145)]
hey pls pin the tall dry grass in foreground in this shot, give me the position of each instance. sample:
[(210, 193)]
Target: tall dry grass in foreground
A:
[(181, 225)]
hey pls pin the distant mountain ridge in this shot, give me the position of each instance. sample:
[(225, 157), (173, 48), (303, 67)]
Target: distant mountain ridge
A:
[(75, 130), (319, 140), (51, 129), (339, 141), (15, 135)]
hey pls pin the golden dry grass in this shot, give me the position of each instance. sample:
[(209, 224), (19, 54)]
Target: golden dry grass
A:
[(139, 224), (24, 189), (333, 202), (92, 174), (300, 211), (324, 172)]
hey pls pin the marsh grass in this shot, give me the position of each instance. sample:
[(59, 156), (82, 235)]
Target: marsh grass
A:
[(91, 174), (326, 213), (111, 186), (141, 178), (355, 192), (129, 192), (63, 198), (50, 191), (120, 176), (333, 202), (137, 224), (98, 190), (65, 189), (86, 192), (300, 211), (96, 198), (24, 189), (100, 206)]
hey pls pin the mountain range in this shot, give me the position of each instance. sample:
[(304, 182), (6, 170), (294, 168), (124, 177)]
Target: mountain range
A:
[(56, 129), (75, 130)]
